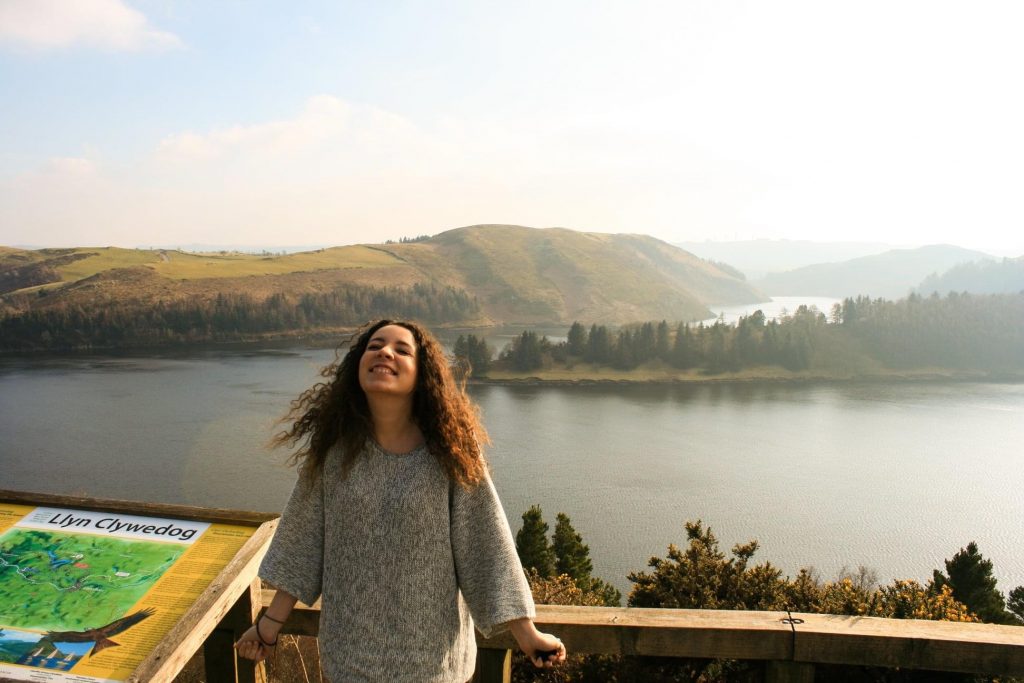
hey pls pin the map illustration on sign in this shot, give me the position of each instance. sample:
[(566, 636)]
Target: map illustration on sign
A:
[(85, 596), (61, 581)]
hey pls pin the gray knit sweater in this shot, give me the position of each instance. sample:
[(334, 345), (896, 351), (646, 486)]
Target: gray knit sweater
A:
[(401, 558)]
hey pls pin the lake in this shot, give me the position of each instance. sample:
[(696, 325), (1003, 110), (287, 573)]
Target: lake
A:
[(896, 477)]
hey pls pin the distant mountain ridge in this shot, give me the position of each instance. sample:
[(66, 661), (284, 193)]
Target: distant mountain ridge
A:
[(978, 277), (518, 275), (891, 275), (757, 258)]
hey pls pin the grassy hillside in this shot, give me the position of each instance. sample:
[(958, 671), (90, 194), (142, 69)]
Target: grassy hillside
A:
[(525, 275), (516, 275), (78, 263)]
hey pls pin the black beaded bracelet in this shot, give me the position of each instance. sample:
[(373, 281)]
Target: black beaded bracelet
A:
[(260, 636)]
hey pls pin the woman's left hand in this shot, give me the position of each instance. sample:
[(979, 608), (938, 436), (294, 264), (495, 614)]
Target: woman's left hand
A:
[(543, 649), (252, 646)]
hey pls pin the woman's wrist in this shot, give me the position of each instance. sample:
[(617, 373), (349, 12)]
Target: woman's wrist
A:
[(522, 629), (269, 627), (266, 639)]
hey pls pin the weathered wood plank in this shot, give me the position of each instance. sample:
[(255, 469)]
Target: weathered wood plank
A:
[(219, 515), (662, 633), (631, 631), (911, 644), (185, 638), (240, 618)]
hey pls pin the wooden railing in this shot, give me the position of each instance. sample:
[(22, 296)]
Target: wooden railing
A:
[(789, 645)]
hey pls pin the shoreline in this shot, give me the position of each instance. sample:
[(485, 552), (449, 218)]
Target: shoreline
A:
[(895, 377), (582, 375)]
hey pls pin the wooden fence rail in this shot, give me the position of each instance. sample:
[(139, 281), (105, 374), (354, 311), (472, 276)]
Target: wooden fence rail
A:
[(790, 648)]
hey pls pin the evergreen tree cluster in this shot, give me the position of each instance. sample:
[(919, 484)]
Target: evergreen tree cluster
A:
[(969, 577), (475, 352), (225, 317), (409, 240), (956, 331), (959, 331), (526, 352), (714, 348), (978, 277), (564, 560)]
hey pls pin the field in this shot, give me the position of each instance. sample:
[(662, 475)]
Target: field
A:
[(179, 265)]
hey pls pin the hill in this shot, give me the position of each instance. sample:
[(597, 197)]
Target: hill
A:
[(892, 274), (522, 275), (490, 274), (978, 277)]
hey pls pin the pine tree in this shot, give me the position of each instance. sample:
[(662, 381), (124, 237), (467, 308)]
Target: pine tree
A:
[(662, 348), (572, 555), (479, 354), (461, 348), (969, 574), (526, 352), (1015, 603), (599, 345), (532, 543), (577, 339)]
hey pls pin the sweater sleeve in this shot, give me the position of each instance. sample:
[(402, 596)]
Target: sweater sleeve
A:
[(490, 575), (294, 561)]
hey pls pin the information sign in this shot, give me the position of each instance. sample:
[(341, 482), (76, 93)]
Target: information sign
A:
[(85, 596)]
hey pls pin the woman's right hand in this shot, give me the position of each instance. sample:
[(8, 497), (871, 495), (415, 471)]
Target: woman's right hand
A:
[(250, 646)]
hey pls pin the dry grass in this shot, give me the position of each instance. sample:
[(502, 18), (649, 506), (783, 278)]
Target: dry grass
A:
[(178, 265), (297, 661), (184, 266)]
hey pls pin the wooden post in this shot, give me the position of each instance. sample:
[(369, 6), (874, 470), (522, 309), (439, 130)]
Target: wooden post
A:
[(778, 671), (242, 616), (493, 666), (221, 661)]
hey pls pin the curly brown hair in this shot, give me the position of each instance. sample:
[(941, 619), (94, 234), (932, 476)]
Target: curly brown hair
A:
[(336, 411)]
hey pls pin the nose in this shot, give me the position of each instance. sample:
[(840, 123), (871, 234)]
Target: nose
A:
[(385, 351)]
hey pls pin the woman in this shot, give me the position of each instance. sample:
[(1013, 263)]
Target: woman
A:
[(394, 522)]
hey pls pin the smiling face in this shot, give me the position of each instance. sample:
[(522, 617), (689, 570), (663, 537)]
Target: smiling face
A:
[(388, 366)]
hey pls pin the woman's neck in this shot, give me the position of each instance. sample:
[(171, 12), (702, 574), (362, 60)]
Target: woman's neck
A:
[(393, 427)]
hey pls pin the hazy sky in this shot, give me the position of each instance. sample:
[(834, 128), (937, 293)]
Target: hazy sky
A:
[(144, 122)]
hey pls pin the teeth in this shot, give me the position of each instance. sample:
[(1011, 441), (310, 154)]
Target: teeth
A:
[(380, 369)]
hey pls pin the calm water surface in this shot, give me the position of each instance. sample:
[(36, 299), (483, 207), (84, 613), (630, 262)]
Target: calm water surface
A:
[(896, 477)]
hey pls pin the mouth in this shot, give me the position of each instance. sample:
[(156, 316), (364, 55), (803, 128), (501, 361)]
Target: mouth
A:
[(382, 370)]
